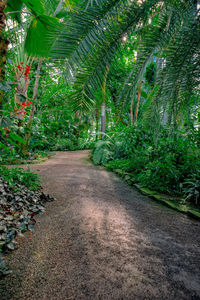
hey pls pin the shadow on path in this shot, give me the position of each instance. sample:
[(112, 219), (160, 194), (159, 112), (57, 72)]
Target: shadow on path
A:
[(103, 240)]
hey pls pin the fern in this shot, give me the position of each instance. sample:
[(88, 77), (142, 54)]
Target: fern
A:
[(102, 152)]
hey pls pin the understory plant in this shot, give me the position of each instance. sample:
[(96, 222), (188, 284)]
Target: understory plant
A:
[(170, 166), (20, 176)]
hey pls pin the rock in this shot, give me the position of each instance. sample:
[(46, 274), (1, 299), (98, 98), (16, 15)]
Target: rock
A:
[(11, 246)]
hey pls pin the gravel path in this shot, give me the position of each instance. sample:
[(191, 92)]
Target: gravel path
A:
[(102, 240)]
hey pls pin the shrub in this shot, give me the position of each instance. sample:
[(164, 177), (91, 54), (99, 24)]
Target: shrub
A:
[(170, 165), (102, 152), (63, 144), (191, 189), (161, 175), (122, 164), (19, 175)]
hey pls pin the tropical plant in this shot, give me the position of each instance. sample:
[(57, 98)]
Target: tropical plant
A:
[(167, 30)]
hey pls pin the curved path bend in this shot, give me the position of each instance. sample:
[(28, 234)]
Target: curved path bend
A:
[(102, 239)]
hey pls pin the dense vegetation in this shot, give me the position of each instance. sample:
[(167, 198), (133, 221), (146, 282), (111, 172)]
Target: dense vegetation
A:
[(121, 77)]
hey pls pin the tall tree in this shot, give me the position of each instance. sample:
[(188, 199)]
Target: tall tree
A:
[(3, 46)]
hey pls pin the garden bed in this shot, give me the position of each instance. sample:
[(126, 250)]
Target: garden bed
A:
[(176, 203)]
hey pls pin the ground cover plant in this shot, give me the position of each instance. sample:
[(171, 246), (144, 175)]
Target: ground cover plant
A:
[(19, 176), (21, 199)]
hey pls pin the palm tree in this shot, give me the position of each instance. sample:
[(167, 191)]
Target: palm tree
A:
[(43, 20), (167, 29), (42, 23), (3, 46), (92, 34)]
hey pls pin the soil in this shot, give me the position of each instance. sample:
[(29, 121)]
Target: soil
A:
[(102, 239)]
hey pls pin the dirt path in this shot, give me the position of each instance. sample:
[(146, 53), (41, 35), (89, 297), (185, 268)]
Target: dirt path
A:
[(103, 240)]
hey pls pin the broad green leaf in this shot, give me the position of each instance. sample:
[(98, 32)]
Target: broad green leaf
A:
[(14, 5), (13, 143), (42, 7), (36, 6), (17, 138), (41, 35)]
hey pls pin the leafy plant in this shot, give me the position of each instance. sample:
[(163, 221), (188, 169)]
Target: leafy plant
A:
[(191, 190), (102, 152), (19, 175)]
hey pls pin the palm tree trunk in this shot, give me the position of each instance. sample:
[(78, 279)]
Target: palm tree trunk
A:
[(3, 45), (91, 128), (30, 122), (131, 111), (97, 121), (103, 117), (103, 105), (138, 101)]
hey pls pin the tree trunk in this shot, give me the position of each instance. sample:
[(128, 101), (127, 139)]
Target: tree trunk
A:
[(30, 122), (21, 91), (138, 101), (103, 118), (103, 105), (97, 121), (91, 128), (3, 45), (131, 111)]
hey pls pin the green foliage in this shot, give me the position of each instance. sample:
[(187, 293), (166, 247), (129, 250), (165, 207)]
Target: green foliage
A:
[(150, 74), (63, 145), (191, 189), (102, 152), (21, 176), (42, 26), (169, 166), (122, 164), (15, 6), (162, 154), (161, 175)]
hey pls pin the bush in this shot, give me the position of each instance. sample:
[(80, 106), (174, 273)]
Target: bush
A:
[(161, 175), (85, 143), (191, 189), (19, 175), (122, 164), (102, 152), (63, 144), (170, 165)]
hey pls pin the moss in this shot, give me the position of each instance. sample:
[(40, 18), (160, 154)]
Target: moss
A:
[(174, 203)]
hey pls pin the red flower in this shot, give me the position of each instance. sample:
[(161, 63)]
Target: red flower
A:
[(6, 129), (27, 71), (24, 104), (21, 63)]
